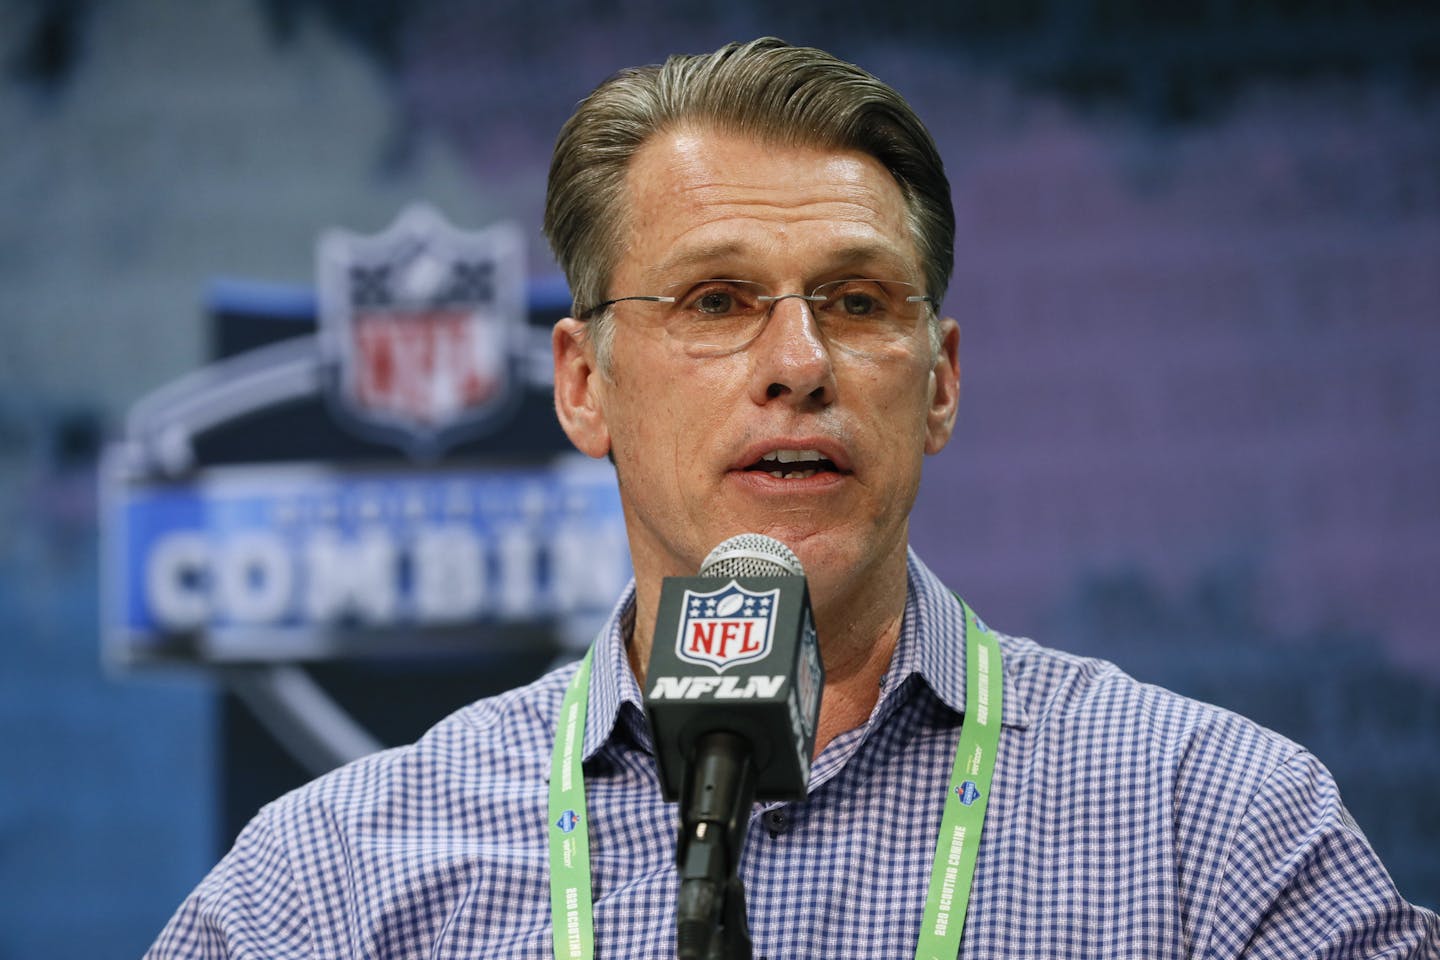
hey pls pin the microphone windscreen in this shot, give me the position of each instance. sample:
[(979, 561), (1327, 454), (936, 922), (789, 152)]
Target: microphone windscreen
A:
[(751, 555)]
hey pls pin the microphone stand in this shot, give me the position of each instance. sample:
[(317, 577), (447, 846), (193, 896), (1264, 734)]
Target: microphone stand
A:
[(715, 815)]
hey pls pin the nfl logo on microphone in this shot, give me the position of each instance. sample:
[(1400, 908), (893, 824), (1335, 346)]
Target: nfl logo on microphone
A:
[(726, 627)]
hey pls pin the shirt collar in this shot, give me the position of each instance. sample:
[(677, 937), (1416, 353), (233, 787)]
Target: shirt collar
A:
[(931, 646), (613, 686)]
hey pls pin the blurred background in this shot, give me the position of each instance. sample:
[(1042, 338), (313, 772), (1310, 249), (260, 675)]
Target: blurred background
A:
[(1198, 279)]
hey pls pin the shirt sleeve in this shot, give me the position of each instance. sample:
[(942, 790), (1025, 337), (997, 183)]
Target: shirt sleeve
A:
[(247, 908), (1302, 881)]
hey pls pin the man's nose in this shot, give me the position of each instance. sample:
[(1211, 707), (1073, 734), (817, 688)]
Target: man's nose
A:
[(790, 359)]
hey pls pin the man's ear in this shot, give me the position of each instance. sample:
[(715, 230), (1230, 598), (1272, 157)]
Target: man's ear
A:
[(944, 388), (579, 387)]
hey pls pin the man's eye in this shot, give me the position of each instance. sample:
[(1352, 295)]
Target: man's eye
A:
[(716, 302), (858, 304)]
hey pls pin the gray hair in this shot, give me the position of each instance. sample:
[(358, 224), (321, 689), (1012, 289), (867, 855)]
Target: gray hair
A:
[(766, 89)]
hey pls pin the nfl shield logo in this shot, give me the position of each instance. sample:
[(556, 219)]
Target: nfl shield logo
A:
[(727, 626), (422, 325)]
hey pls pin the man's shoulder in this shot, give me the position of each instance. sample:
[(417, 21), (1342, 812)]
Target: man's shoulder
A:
[(498, 743), (1088, 700), (1076, 708)]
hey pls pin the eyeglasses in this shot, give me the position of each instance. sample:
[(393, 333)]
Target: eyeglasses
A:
[(712, 317)]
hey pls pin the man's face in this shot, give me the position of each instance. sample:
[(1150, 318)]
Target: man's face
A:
[(694, 437)]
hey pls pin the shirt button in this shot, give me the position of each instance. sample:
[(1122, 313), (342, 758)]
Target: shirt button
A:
[(777, 821)]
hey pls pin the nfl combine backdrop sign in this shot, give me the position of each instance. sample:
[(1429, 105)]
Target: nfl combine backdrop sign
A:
[(367, 468)]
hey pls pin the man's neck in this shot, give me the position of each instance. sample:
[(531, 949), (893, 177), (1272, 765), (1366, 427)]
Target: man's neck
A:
[(853, 671)]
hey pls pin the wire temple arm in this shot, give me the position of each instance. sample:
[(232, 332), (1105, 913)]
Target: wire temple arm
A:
[(587, 314)]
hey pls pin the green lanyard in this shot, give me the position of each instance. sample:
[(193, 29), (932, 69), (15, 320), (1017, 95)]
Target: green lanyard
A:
[(955, 847), (965, 801), (570, 906)]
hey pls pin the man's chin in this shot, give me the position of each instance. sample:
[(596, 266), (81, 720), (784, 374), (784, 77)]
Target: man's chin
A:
[(832, 552), (831, 560)]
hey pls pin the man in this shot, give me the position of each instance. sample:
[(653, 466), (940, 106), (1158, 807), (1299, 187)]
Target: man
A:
[(757, 241)]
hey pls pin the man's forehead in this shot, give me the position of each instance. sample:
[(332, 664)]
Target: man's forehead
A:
[(702, 197), (707, 152)]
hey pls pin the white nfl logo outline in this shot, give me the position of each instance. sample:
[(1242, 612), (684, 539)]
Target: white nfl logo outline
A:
[(719, 607)]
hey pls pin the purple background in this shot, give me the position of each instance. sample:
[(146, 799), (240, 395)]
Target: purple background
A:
[(1198, 278)]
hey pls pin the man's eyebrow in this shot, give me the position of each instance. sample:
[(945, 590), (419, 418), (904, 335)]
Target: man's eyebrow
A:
[(884, 255), (693, 257)]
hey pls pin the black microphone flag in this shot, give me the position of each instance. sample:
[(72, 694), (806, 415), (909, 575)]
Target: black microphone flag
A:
[(734, 650)]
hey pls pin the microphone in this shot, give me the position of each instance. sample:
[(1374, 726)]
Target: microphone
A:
[(734, 687)]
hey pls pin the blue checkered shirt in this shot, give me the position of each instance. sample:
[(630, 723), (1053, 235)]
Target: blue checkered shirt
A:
[(1125, 821)]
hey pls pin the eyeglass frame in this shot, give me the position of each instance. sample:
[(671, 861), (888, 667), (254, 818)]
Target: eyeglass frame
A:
[(773, 299)]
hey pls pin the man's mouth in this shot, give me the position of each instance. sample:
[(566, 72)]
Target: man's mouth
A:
[(793, 464)]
